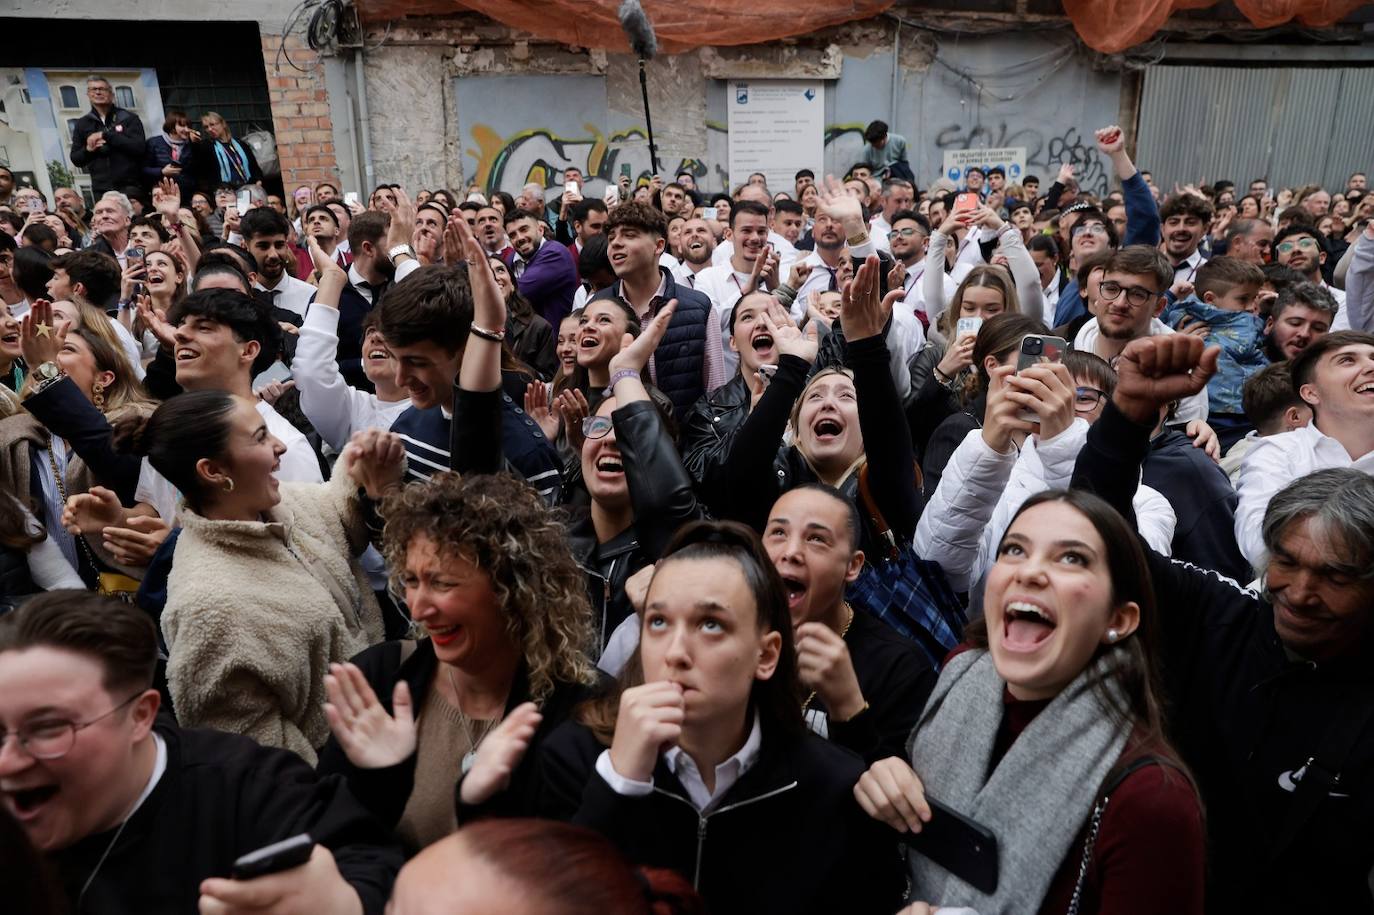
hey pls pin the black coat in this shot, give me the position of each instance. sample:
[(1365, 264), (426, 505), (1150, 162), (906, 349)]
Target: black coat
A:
[(385, 792), (787, 837), (708, 432), (223, 796), (534, 343), (1203, 501), (119, 163), (158, 156), (208, 175), (1249, 716)]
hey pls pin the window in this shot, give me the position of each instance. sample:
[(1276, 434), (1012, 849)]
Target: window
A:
[(71, 127), (124, 97), (69, 97)]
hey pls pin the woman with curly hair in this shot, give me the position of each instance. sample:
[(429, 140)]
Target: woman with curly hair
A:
[(488, 575)]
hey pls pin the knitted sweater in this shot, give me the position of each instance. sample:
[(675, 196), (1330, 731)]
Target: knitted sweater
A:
[(257, 610)]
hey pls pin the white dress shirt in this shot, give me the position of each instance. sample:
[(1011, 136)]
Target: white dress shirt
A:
[(290, 293), (685, 768), (1272, 463), (1187, 268), (1342, 319), (724, 285)]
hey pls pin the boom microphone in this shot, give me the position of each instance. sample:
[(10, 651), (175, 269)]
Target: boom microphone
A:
[(638, 29)]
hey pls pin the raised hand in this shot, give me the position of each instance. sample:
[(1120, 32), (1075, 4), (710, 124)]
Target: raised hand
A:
[(155, 320), (835, 202), (167, 198), (1001, 417), (896, 277), (1047, 390), (796, 277), (573, 407), (91, 512), (499, 754), (824, 664), (39, 340), (1065, 172), (635, 351), (1110, 140), (132, 274), (863, 311), (1157, 370), (324, 264), (957, 219), (891, 792), (369, 737), (649, 721), (375, 459), (271, 392), (755, 274), (402, 227), (137, 541), (987, 217), (788, 339), (539, 409)]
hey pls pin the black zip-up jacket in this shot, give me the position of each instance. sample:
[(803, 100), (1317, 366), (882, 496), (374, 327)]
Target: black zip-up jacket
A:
[(663, 500), (1252, 719), (787, 837), (1204, 503), (385, 792), (708, 432), (119, 163), (223, 796), (758, 471)]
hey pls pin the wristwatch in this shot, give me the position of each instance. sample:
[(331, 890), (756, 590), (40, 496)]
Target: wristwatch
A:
[(46, 374), (397, 251)]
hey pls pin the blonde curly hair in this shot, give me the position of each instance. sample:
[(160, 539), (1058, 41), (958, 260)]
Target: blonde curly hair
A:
[(502, 526)]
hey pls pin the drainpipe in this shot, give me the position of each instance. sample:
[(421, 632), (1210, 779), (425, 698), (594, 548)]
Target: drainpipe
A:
[(361, 83), (896, 69)]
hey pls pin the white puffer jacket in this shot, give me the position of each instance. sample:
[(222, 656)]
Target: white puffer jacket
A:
[(981, 491)]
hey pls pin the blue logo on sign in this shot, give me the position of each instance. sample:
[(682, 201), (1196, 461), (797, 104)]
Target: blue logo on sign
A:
[(809, 94), (742, 94), (955, 172), (1015, 170)]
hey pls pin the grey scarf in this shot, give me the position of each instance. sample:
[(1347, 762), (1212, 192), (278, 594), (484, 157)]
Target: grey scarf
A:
[(1037, 798)]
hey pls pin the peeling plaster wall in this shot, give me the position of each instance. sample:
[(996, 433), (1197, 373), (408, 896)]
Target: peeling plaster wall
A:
[(409, 117)]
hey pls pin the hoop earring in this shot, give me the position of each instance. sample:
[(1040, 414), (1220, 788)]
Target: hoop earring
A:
[(98, 396), (228, 484)]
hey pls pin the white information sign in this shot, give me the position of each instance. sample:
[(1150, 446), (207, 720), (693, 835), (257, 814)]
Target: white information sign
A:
[(1012, 159), (776, 126)]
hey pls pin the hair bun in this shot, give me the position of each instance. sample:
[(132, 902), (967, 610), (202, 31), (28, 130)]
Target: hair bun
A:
[(131, 435)]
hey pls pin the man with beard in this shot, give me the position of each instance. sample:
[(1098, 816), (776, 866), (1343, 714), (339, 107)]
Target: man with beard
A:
[(543, 269), (588, 217), (264, 233), (697, 243), (1131, 298), (1185, 218), (1302, 314), (491, 234), (908, 236), (1250, 240), (1302, 248)]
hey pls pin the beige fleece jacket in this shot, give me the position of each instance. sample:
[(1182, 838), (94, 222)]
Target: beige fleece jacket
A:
[(257, 610)]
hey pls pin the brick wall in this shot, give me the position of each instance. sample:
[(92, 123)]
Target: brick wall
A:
[(300, 113)]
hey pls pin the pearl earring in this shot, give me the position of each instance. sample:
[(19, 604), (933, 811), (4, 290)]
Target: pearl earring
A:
[(1113, 635)]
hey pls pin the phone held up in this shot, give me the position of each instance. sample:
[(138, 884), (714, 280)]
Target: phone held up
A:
[(274, 858), (351, 199), (1036, 349), (966, 326), (766, 373), (244, 200), (967, 202)]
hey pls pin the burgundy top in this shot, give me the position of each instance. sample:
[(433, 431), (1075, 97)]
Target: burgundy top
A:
[(1150, 854)]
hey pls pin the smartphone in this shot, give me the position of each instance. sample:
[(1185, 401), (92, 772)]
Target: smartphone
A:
[(244, 200), (624, 169), (274, 858), (766, 373), (36, 205), (570, 187), (967, 202), (708, 213), (966, 849), (476, 198), (1036, 349), (967, 326), (351, 199), (134, 257)]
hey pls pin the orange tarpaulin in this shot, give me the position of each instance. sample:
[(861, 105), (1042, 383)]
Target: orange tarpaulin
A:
[(680, 25), (1115, 25)]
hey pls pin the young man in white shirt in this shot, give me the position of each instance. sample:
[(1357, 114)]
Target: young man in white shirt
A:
[(786, 251), (1301, 247), (1334, 375), (1184, 219), (264, 233), (726, 282)]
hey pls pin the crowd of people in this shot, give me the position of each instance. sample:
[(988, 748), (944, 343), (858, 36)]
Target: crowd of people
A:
[(856, 546)]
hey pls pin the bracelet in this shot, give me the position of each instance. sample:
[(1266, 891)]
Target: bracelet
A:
[(623, 373), (856, 240), (495, 336), (853, 716)]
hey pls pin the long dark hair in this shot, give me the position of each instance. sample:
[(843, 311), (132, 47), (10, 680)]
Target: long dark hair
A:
[(578, 379), (777, 700), (178, 434), (998, 336), (1140, 705)]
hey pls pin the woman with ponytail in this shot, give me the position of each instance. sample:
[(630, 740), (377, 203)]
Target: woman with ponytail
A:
[(265, 590)]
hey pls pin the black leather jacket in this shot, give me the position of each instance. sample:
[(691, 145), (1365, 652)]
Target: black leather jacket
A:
[(708, 431), (663, 499)]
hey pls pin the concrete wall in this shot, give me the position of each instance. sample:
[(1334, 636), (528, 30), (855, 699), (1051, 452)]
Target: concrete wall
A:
[(504, 114)]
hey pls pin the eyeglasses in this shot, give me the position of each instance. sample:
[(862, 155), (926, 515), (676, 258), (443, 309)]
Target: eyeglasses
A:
[(1085, 400), (1092, 228), (904, 233), (1309, 244), (55, 739), (1110, 291), (597, 426)]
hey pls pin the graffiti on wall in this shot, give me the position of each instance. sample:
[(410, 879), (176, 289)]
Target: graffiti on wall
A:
[(1043, 152)]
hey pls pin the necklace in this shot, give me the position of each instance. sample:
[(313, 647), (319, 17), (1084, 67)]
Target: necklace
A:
[(849, 621), (474, 738)]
